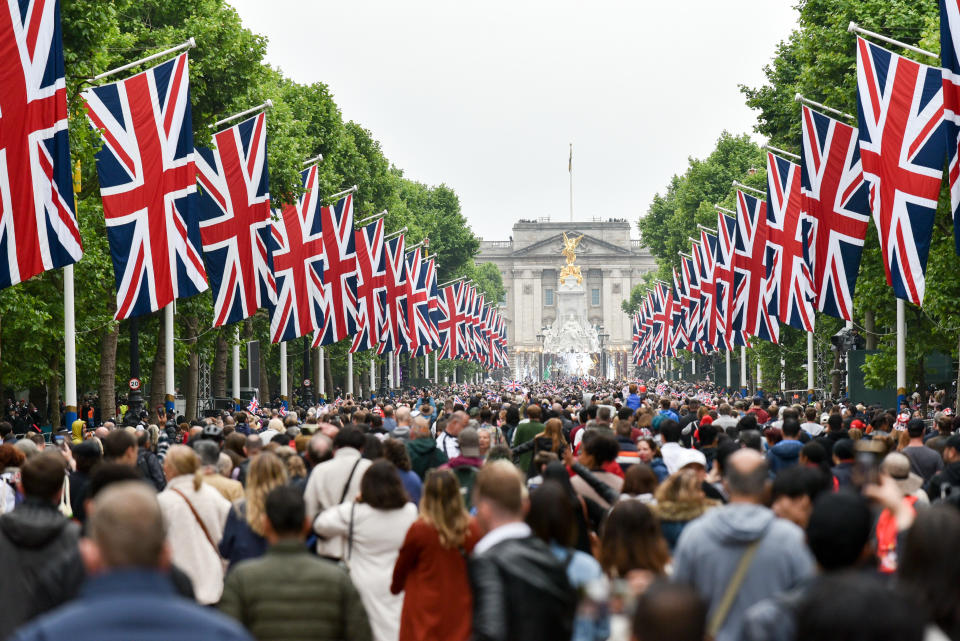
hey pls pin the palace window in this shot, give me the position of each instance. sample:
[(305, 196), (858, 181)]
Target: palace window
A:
[(548, 297), (595, 296)]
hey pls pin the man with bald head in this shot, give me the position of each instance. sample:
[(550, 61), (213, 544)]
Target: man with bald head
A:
[(447, 440), (127, 558), (741, 542)]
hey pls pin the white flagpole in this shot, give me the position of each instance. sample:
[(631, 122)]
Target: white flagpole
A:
[(436, 368), (901, 352), (853, 27), (170, 383), (189, 44), (811, 382), (69, 349), (284, 392), (266, 105), (729, 377), (743, 367), (236, 368), (390, 369), (349, 373), (373, 375), (570, 168)]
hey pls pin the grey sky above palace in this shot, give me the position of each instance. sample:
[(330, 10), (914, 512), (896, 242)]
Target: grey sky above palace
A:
[(486, 97)]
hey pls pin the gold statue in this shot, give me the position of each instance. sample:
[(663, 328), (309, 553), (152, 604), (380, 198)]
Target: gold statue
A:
[(570, 252)]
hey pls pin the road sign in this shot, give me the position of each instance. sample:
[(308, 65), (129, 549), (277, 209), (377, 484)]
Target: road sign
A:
[(134, 384)]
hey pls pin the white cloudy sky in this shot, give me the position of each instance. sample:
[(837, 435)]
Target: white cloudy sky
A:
[(486, 96)]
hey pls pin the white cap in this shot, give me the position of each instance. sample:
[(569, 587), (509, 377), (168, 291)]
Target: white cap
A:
[(688, 456)]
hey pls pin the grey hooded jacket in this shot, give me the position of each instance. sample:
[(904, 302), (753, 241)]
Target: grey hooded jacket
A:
[(710, 548)]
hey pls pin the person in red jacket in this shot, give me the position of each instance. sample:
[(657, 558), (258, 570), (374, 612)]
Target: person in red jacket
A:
[(431, 568)]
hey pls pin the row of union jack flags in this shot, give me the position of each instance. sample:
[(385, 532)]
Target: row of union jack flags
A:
[(306, 264), (783, 258)]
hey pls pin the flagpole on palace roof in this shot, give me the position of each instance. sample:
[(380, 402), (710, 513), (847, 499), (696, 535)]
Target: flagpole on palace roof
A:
[(570, 169), (189, 44), (268, 104)]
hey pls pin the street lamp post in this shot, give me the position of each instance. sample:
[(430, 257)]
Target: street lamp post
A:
[(603, 357), (541, 337)]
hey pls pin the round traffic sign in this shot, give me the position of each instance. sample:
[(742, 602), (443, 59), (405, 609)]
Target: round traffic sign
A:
[(134, 384), (306, 382)]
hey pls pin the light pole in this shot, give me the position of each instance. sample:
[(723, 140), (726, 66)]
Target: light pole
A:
[(602, 336), (541, 337)]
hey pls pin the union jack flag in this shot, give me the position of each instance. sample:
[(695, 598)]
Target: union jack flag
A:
[(479, 320), (708, 288), (394, 337), (691, 290), (837, 200), (253, 407), (661, 389), (339, 275), (148, 182), (751, 313), (38, 226), (469, 300), (950, 61), (513, 386), (371, 285), (789, 282), (451, 321), (458, 401), (418, 305), (433, 304), (678, 330), (723, 279), (296, 264), (281, 411), (235, 220), (902, 148)]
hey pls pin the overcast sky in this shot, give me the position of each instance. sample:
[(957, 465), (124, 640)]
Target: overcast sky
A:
[(486, 96)]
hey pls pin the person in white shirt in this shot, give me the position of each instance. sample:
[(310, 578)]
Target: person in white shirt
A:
[(671, 450), (447, 440)]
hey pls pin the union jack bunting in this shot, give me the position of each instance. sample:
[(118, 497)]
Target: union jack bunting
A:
[(38, 226), (393, 337), (339, 273), (950, 62), (789, 282), (296, 264), (751, 313), (902, 148), (148, 182), (451, 321), (837, 200), (371, 285), (235, 221), (418, 305)]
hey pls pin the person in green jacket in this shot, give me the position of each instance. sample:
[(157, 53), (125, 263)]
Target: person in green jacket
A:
[(525, 432), (268, 594), (423, 450)]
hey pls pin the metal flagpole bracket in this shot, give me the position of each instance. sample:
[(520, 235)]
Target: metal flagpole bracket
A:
[(451, 282), (777, 150), (725, 210), (853, 27), (690, 256), (395, 234), (707, 229), (372, 218), (349, 190), (740, 185), (316, 158), (189, 44), (819, 105), (412, 247), (693, 240), (268, 104)]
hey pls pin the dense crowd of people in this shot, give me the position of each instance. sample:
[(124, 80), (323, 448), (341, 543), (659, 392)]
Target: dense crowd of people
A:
[(574, 509)]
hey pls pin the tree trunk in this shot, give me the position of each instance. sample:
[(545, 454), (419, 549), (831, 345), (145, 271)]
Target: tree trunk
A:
[(218, 384), (53, 392), (193, 368), (108, 372), (868, 325), (157, 393)]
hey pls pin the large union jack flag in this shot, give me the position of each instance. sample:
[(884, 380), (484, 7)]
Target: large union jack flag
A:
[(418, 304), (750, 310), (394, 336), (707, 249), (433, 303), (902, 149), (38, 226), (950, 62), (789, 282), (296, 264), (235, 220), (339, 273), (371, 285), (728, 336), (678, 331), (451, 321), (836, 200), (148, 182)]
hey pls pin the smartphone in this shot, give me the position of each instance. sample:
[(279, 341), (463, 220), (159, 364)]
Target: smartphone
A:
[(866, 462)]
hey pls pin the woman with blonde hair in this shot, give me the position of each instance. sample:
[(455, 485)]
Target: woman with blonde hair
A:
[(194, 514), (243, 534), (431, 567), (680, 499)]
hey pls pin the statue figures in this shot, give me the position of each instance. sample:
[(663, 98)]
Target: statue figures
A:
[(570, 252)]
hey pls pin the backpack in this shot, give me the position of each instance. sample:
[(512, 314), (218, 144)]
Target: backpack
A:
[(466, 475)]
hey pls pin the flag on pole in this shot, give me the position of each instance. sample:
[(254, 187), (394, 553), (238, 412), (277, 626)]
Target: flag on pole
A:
[(38, 224), (837, 200), (902, 149), (148, 182), (339, 273), (296, 264), (751, 313), (394, 337), (371, 285), (950, 63), (235, 223), (450, 324)]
